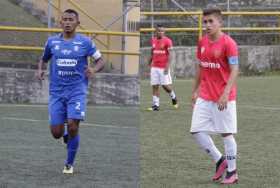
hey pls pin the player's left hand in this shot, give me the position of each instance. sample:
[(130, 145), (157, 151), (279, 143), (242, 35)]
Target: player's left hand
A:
[(89, 72), (222, 102)]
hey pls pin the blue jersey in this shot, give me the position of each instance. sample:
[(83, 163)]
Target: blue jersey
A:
[(69, 59)]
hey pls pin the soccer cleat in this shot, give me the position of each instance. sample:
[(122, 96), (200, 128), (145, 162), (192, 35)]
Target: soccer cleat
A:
[(175, 103), (68, 169), (221, 166), (153, 108), (230, 178)]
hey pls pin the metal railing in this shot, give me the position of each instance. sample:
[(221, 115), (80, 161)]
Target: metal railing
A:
[(199, 29), (89, 33), (58, 9)]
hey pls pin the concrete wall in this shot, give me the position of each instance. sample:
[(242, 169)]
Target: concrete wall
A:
[(253, 60), (21, 86)]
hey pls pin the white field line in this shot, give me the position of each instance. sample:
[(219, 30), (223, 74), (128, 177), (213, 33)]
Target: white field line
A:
[(82, 124), (46, 106), (267, 107)]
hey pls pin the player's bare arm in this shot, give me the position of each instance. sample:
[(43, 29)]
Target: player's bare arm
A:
[(222, 102), (151, 58), (166, 69), (196, 83), (40, 72), (99, 65)]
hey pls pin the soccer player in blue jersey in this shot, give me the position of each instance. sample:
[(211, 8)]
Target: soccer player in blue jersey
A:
[(68, 53)]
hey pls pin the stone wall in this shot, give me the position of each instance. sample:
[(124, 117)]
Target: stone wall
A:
[(21, 86), (114, 89), (253, 60)]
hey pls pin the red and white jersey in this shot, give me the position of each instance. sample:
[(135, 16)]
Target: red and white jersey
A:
[(160, 51), (215, 67)]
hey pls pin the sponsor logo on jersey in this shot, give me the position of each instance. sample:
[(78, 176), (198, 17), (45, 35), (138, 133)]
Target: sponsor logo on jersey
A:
[(66, 62), (210, 65), (159, 51), (66, 73)]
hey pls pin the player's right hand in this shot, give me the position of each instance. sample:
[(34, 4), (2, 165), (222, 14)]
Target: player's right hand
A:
[(194, 97), (40, 74)]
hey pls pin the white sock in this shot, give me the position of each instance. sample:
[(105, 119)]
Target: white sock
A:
[(231, 152), (155, 100), (207, 144), (172, 94)]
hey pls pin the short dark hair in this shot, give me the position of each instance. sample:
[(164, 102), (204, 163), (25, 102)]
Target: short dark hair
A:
[(159, 25), (72, 11), (216, 11)]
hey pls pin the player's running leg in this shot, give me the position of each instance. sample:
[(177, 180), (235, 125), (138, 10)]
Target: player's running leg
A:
[(207, 144), (231, 152), (65, 135), (155, 104), (72, 145), (172, 94), (57, 131), (155, 82)]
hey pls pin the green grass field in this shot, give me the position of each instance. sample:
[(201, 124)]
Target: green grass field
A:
[(108, 155), (171, 159)]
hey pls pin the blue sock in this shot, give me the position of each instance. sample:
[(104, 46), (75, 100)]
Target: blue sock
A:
[(72, 148)]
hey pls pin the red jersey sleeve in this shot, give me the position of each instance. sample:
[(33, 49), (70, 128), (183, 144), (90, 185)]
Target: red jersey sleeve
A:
[(169, 43), (231, 48)]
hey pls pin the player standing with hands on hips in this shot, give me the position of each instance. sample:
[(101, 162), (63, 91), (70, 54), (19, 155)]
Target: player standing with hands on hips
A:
[(68, 53), (214, 95)]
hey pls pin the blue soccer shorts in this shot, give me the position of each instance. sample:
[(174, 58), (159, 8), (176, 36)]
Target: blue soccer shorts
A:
[(69, 103)]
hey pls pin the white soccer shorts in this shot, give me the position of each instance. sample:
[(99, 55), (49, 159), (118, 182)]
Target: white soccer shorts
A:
[(159, 78), (208, 118)]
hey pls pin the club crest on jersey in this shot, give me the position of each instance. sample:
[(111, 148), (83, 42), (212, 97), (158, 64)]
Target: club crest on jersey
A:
[(76, 48), (56, 47), (66, 52), (202, 50), (217, 53)]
